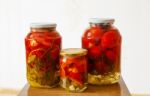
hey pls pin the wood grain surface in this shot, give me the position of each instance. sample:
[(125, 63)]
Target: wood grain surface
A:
[(118, 89)]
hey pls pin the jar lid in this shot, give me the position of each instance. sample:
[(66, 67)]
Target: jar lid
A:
[(73, 52), (101, 20), (42, 25)]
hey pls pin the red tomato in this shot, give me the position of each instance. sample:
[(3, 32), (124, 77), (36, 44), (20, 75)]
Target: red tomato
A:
[(111, 55), (54, 52), (93, 32), (117, 49), (40, 38), (27, 46), (90, 35), (110, 39), (38, 52), (102, 67), (95, 51), (76, 77), (87, 43), (58, 41), (66, 64), (81, 66)]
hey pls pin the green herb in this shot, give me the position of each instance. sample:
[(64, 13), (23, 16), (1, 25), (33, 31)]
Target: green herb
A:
[(31, 59)]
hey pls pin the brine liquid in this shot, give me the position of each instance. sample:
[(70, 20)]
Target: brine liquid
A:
[(109, 78)]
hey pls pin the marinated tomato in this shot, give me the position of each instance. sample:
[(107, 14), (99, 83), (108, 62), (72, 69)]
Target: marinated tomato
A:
[(110, 39)]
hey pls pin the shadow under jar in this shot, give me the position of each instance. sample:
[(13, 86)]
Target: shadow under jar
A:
[(43, 45), (73, 69), (103, 42)]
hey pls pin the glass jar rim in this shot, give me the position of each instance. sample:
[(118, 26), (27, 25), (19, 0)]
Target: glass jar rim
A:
[(73, 52)]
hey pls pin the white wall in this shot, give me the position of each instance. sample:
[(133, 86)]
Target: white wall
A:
[(132, 18)]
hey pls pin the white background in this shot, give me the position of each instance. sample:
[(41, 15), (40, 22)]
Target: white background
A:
[(132, 19)]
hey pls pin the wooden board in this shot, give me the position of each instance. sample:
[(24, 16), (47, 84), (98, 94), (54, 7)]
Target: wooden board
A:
[(118, 89)]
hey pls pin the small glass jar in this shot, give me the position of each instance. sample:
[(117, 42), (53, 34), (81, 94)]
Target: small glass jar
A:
[(103, 42), (43, 45), (73, 69)]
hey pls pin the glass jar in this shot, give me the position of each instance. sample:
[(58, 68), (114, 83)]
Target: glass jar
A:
[(73, 69), (103, 42), (43, 45)]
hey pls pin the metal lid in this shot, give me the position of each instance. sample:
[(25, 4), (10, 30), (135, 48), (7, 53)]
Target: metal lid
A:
[(101, 20), (42, 25), (73, 52)]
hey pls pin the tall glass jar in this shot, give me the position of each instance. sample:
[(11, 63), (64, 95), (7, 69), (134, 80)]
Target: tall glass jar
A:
[(103, 42), (73, 69), (43, 45)]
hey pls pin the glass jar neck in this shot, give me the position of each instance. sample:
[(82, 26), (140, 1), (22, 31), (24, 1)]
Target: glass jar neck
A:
[(43, 29), (100, 24)]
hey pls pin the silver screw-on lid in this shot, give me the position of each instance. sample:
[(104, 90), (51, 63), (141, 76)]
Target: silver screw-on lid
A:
[(42, 25), (101, 20)]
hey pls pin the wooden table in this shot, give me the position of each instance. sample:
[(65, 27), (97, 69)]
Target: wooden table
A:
[(118, 89)]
